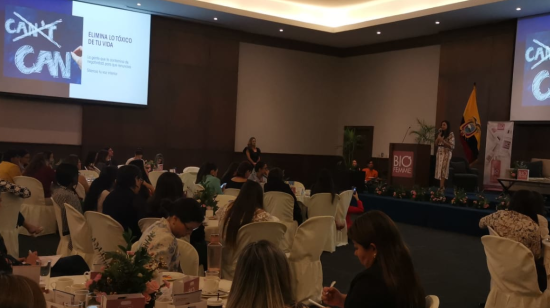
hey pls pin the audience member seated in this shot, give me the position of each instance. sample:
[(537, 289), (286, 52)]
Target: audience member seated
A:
[(24, 193), (262, 279), (260, 173), (520, 223), (275, 182), (124, 204), (137, 155), (355, 207), (147, 189), (20, 292), (75, 161), (101, 160), (389, 279), (48, 156), (169, 187), (100, 189), (89, 163), (24, 159), (149, 166), (370, 172), (66, 177), (324, 184), (229, 173), (9, 167), (39, 169), (241, 175), (354, 166), (159, 162), (208, 174), (248, 207), (183, 216), (252, 152), (110, 157)]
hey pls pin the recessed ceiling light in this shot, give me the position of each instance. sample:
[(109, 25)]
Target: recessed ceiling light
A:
[(280, 30), (378, 32), (518, 9), (215, 18), (139, 4), (437, 22)]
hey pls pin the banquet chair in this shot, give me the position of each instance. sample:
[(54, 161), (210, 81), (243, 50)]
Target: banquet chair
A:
[(191, 170), (543, 227), (341, 236), (154, 177), (432, 301), (281, 205), (80, 191), (297, 185), (63, 246), (34, 209), (188, 180), (9, 211), (89, 174), (305, 257), (250, 233), (232, 192), (224, 200), (81, 235), (513, 275), (145, 223), (321, 205), (189, 258), (106, 231), (492, 231)]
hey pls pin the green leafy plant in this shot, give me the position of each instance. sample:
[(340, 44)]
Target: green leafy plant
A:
[(517, 165), (351, 141), (460, 198), (437, 196), (503, 201), (399, 192), (425, 133), (381, 189), (207, 196), (418, 193), (481, 202)]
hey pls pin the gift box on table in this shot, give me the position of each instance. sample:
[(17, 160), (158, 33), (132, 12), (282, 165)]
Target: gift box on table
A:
[(123, 301)]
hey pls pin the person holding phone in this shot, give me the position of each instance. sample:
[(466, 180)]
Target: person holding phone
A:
[(389, 278), (355, 207)]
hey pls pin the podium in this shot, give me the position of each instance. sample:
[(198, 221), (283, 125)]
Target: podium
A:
[(409, 165)]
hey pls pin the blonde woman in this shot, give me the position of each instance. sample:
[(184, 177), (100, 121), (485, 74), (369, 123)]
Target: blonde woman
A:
[(262, 279)]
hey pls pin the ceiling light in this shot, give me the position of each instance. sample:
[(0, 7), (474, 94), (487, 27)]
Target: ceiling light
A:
[(215, 18), (437, 22), (518, 9), (139, 4), (280, 30), (378, 32)]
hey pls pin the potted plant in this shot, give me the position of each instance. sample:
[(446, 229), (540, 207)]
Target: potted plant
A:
[(460, 198), (399, 192), (437, 196), (207, 197), (418, 193), (503, 201), (351, 141), (425, 133), (481, 202)]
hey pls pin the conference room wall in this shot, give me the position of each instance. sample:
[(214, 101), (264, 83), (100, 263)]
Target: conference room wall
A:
[(389, 91), (288, 100)]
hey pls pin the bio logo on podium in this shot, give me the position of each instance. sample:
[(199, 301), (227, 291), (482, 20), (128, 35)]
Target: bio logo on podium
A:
[(403, 162)]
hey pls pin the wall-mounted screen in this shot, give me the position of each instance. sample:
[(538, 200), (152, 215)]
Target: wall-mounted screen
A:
[(70, 49), (531, 87)]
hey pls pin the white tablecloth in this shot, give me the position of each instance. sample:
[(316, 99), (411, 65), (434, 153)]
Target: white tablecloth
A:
[(211, 228)]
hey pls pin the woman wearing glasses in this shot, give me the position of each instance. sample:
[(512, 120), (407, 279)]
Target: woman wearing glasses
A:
[(182, 217)]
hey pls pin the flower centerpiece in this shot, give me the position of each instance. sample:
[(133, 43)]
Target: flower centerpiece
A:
[(460, 198), (437, 196), (481, 202), (418, 194), (126, 272), (517, 165), (399, 192), (206, 197), (381, 189), (503, 201)]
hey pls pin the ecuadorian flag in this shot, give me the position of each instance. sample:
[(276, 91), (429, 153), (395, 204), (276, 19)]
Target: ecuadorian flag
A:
[(470, 129)]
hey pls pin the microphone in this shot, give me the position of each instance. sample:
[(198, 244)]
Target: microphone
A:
[(405, 135)]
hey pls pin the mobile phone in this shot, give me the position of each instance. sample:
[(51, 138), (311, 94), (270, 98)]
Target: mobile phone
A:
[(223, 185), (354, 188)]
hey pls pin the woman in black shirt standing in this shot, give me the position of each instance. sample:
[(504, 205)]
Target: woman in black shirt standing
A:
[(252, 152), (389, 279)]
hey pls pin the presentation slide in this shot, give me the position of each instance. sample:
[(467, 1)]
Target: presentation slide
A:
[(531, 87), (69, 49)]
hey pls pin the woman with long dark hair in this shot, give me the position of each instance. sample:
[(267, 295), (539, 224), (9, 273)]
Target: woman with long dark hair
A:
[(89, 163), (39, 169), (147, 189), (75, 161), (99, 189), (389, 279), (208, 174), (248, 207), (169, 187), (241, 175), (324, 184), (101, 160), (445, 143), (66, 177), (229, 173)]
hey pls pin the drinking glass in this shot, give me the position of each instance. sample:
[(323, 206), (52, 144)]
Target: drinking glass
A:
[(211, 282), (45, 270)]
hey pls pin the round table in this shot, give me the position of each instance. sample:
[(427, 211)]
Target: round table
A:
[(225, 285), (211, 228)]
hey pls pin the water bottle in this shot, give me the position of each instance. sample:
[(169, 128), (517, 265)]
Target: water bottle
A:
[(214, 253)]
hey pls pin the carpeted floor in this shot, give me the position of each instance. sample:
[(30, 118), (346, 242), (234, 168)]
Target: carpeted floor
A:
[(451, 266)]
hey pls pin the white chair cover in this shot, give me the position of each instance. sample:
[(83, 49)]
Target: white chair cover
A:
[(89, 174), (513, 275), (543, 227), (232, 192), (188, 180), (341, 236), (80, 191), (432, 301), (106, 231), (34, 209), (9, 211), (224, 200), (253, 232), (321, 205), (281, 205), (492, 231), (191, 170), (146, 223), (189, 258), (154, 177), (63, 246), (305, 257), (81, 235)]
